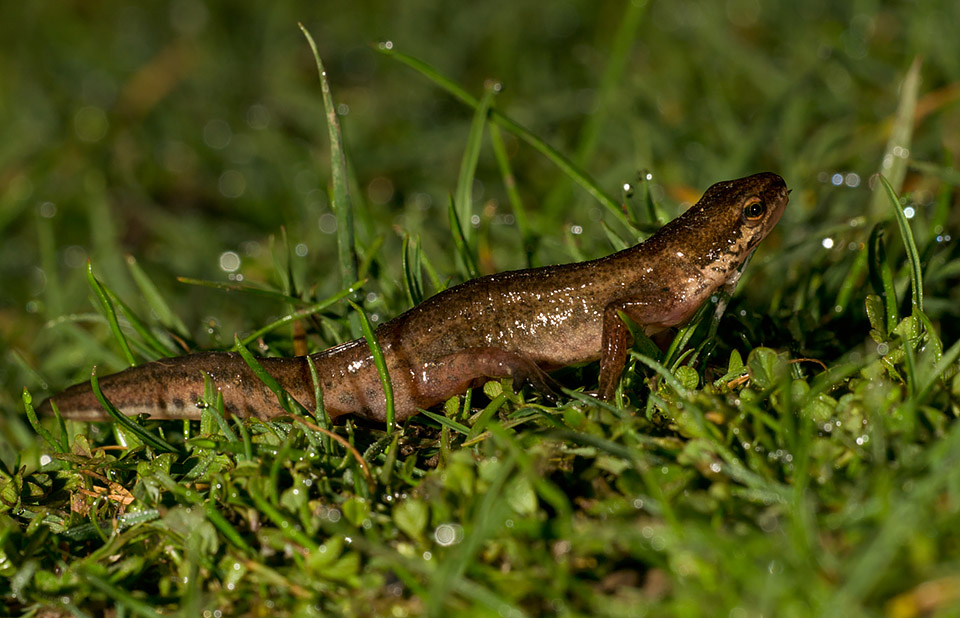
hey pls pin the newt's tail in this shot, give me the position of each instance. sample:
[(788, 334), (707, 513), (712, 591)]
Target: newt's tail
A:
[(173, 388)]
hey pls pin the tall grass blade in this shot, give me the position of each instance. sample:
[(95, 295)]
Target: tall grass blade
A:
[(513, 195), (342, 205), (949, 175), (58, 446), (380, 361), (303, 313), (611, 83), (238, 287), (897, 152), (566, 165), (106, 308), (410, 255), (141, 433), (881, 276), (468, 165), (913, 256), (151, 341), (460, 242), (154, 298)]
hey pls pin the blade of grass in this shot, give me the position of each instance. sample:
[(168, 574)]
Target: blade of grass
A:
[(611, 83), (684, 335), (438, 284), (342, 206), (47, 248), (469, 263), (897, 151), (487, 517), (55, 444), (369, 255), (447, 422), (882, 277), (468, 164), (214, 400), (244, 438), (323, 419), (381, 364), (640, 339), (150, 340), (598, 403), (226, 529), (671, 380), (192, 498), (913, 257), (931, 336), (655, 212), (155, 300), (851, 282), (566, 436), (239, 287), (618, 243), (141, 433), (480, 424), (947, 174), (118, 597), (106, 308), (871, 564), (285, 525), (527, 238), (937, 372), (287, 402), (909, 357), (305, 312), (410, 254), (566, 166)]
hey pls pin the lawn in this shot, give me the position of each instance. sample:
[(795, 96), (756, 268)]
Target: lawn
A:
[(168, 185)]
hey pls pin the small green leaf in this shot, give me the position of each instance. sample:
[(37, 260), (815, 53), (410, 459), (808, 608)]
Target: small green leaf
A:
[(521, 496), (687, 376), (322, 557), (493, 389), (767, 367), (736, 362), (411, 517), (875, 312), (356, 510)]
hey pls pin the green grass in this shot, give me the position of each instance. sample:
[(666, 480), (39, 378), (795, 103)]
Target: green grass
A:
[(798, 458)]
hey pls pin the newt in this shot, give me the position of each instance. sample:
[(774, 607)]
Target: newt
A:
[(520, 324)]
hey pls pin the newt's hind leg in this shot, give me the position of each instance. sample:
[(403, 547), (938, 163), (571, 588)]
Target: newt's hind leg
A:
[(453, 374)]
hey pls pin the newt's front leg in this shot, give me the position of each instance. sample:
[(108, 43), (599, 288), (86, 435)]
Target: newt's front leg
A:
[(616, 340)]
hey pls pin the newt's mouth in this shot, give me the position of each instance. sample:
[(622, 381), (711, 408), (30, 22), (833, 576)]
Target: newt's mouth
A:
[(783, 197)]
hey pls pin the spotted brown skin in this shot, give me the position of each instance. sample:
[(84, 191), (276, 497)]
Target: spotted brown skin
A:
[(519, 324)]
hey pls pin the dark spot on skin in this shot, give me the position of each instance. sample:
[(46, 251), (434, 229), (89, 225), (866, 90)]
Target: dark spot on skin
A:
[(177, 403)]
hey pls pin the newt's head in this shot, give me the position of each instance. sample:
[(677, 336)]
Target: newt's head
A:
[(730, 220), (703, 249)]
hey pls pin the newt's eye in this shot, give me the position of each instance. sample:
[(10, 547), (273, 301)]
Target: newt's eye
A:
[(754, 209)]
